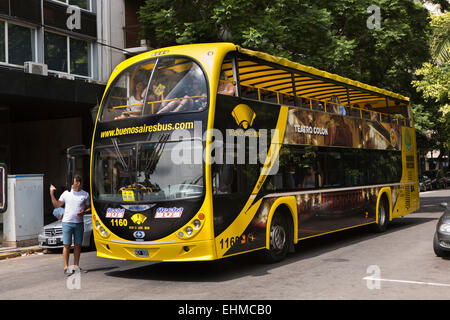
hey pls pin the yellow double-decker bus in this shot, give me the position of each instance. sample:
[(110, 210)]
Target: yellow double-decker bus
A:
[(205, 151)]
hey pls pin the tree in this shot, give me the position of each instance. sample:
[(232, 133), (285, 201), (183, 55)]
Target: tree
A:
[(434, 84), (331, 35)]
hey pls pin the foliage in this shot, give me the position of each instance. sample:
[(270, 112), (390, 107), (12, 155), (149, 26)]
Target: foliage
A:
[(328, 34), (440, 42), (331, 35), (433, 82)]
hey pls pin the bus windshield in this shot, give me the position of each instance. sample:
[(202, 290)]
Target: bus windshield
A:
[(146, 172), (156, 86)]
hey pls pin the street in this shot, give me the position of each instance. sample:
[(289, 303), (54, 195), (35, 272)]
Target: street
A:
[(335, 266)]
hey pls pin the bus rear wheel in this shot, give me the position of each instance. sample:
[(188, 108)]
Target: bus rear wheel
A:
[(383, 217), (280, 239)]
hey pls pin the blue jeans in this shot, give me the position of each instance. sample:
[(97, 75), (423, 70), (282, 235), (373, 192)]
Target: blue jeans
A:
[(72, 229)]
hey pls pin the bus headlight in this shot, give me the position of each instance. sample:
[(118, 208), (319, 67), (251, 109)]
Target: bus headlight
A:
[(97, 224), (189, 231), (180, 235), (197, 224), (103, 232)]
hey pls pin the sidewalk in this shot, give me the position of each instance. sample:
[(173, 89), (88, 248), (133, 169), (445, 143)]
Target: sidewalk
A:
[(9, 252)]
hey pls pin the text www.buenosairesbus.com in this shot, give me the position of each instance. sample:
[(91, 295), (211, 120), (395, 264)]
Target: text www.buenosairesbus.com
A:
[(146, 129)]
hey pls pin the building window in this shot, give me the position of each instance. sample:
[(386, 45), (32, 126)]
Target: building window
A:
[(2, 42), (55, 52), (79, 57), (20, 44), (17, 43), (67, 55), (83, 4)]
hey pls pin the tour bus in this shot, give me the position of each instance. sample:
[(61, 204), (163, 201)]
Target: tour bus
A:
[(206, 151)]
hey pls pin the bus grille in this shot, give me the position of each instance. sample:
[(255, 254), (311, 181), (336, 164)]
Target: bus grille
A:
[(407, 197)]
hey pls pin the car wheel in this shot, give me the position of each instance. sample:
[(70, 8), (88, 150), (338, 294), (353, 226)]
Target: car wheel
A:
[(280, 239), (383, 217), (437, 248)]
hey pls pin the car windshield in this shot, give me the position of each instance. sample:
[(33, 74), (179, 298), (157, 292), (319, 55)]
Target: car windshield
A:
[(146, 172), (156, 86)]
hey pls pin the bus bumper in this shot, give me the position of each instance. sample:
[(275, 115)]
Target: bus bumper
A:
[(178, 251)]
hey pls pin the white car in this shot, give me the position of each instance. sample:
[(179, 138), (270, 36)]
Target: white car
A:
[(51, 236)]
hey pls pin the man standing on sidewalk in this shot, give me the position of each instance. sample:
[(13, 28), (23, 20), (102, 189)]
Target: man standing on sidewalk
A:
[(76, 203)]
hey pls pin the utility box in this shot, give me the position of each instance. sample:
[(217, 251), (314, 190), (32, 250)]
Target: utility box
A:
[(24, 216)]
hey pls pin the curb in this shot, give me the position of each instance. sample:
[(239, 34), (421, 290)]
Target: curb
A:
[(19, 252)]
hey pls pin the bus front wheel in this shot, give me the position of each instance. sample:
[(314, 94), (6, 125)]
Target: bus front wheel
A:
[(280, 239)]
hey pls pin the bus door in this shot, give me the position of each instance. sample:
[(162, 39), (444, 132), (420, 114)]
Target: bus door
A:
[(77, 157)]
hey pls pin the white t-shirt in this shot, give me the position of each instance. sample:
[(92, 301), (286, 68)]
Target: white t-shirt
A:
[(74, 203), (136, 105)]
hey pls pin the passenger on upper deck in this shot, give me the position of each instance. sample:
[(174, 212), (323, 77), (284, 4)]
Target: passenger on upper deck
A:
[(225, 87), (338, 108), (194, 99), (375, 116), (136, 100)]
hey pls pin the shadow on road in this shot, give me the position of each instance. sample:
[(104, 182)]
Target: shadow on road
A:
[(432, 203), (249, 265)]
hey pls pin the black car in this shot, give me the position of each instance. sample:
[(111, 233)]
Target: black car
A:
[(441, 241)]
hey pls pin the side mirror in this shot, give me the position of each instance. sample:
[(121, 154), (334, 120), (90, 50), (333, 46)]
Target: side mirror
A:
[(3, 188), (444, 204)]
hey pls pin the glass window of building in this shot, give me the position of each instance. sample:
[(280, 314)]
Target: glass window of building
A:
[(20, 44), (55, 52), (84, 4), (2, 42), (79, 57), (68, 55)]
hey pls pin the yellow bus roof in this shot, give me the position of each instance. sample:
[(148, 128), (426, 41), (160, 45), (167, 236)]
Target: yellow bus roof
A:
[(264, 71), (317, 83)]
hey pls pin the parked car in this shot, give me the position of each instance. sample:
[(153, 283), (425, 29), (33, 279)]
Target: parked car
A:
[(51, 235), (438, 180), (425, 183), (441, 240)]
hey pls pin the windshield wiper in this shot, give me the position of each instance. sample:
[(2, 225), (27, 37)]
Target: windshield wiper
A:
[(119, 154)]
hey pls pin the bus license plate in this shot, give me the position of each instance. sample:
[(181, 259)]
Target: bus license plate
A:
[(52, 240), (141, 252)]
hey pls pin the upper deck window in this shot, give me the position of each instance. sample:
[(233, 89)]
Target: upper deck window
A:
[(157, 86)]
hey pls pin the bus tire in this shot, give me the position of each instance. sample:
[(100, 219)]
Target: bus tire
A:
[(383, 217), (280, 239)]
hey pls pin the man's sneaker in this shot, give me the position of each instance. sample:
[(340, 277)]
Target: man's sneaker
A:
[(68, 272)]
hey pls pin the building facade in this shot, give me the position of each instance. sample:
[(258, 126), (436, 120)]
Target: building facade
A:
[(55, 59)]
